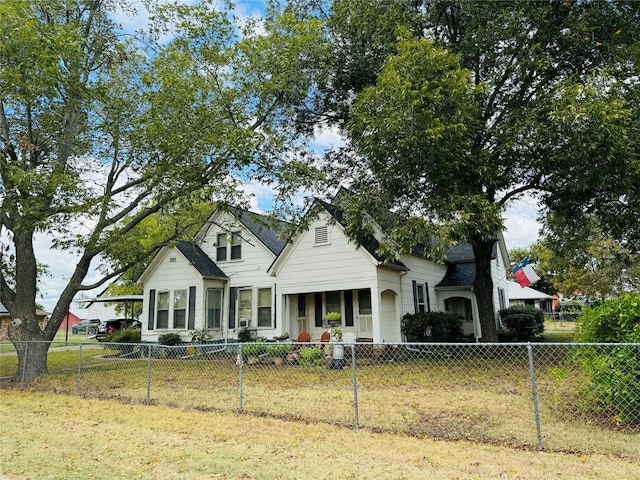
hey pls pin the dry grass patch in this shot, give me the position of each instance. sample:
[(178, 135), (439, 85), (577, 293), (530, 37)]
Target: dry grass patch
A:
[(49, 436)]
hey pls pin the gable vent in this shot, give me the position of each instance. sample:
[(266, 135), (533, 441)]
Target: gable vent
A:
[(172, 259), (322, 235)]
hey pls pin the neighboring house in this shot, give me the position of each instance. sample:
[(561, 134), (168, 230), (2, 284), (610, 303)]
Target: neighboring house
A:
[(529, 296), (103, 307), (69, 320), (237, 273), (5, 320)]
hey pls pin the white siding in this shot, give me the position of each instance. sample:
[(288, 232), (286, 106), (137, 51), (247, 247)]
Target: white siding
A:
[(251, 270), (337, 265), (171, 275), (422, 271)]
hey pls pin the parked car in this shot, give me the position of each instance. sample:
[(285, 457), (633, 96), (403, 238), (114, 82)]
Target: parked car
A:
[(109, 326), (88, 326)]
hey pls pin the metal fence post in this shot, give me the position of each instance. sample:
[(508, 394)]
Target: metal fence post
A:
[(79, 368), (534, 389), (149, 373), (24, 363), (355, 386), (240, 363)]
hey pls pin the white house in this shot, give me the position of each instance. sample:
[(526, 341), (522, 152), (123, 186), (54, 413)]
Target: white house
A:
[(218, 282), (104, 307), (529, 296), (237, 273)]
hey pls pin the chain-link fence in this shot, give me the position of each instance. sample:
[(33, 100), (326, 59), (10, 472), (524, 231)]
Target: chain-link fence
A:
[(561, 397)]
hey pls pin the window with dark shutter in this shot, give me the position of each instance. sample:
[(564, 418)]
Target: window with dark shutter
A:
[(233, 292), (191, 322), (152, 309)]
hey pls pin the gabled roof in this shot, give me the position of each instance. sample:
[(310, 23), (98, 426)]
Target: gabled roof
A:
[(459, 274), (200, 260), (516, 292), (259, 226), (370, 244), (461, 266)]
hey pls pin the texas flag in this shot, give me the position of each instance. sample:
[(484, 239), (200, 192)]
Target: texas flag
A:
[(524, 273)]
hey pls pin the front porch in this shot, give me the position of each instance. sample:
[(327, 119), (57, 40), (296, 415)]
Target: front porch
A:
[(360, 311)]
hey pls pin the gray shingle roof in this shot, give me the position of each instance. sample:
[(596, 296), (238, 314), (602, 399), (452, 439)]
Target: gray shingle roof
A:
[(201, 262), (259, 226), (459, 275), (461, 266)]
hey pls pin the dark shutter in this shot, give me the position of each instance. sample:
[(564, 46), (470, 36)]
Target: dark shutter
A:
[(348, 308), (426, 289), (275, 302), (233, 293), (191, 322), (415, 296), (318, 309), (152, 309)]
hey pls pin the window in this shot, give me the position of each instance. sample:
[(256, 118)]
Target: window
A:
[(221, 247), (302, 306), (364, 302), (264, 307), (179, 308), (332, 302), (228, 246), (420, 299), (245, 307), (162, 310), (214, 308), (236, 246), (322, 235)]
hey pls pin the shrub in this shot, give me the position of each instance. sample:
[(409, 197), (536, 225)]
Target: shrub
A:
[(432, 327), (310, 356), (615, 320), (614, 386), (169, 339), (270, 349), (201, 337), (128, 335), (522, 322), (125, 337), (246, 335)]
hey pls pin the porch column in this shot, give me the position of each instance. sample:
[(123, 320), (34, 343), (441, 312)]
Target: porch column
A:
[(282, 314), (376, 302)]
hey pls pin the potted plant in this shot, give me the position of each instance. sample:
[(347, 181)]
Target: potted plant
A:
[(337, 334), (333, 318)]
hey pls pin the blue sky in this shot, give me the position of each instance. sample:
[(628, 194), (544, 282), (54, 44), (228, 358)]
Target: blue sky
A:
[(521, 225)]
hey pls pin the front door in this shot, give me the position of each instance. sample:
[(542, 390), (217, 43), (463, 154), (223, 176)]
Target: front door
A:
[(462, 306)]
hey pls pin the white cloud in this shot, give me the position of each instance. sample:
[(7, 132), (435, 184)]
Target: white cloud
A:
[(260, 196), (327, 138), (521, 223)]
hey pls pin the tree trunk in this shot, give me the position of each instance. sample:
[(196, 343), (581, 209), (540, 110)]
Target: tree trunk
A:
[(483, 286), (32, 360), (24, 327)]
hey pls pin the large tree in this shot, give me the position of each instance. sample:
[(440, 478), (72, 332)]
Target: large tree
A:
[(588, 262), (99, 132), (461, 107)]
